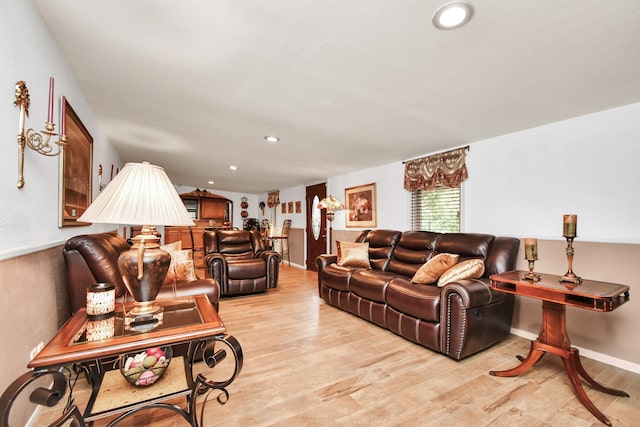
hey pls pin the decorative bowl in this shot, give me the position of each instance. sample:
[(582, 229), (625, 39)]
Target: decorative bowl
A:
[(144, 368)]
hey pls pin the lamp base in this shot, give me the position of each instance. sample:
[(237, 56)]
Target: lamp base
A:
[(143, 270), (144, 308)]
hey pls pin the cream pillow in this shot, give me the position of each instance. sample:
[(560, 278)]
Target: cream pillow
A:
[(353, 254), (432, 269), (182, 262), (469, 269), (181, 267)]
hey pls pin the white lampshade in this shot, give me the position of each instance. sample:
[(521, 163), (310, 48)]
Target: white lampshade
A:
[(140, 194), (331, 204)]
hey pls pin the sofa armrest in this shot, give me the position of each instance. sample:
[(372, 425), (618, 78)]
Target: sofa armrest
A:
[(473, 292), (323, 261), (272, 258), (472, 317), (217, 265)]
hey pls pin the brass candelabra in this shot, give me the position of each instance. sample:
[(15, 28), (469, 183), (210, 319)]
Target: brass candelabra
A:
[(32, 139), (570, 232)]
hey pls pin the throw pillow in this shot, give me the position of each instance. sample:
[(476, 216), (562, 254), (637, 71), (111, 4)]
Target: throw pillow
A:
[(431, 271), (353, 254), (469, 269), (181, 267)]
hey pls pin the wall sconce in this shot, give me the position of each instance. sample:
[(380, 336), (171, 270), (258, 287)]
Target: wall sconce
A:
[(35, 140)]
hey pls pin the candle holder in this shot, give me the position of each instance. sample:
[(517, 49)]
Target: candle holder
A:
[(32, 139), (531, 255), (531, 275), (570, 276)]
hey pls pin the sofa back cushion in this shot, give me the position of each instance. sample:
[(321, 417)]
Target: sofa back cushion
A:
[(503, 255), (413, 250), (93, 258), (467, 245), (381, 246), (230, 243)]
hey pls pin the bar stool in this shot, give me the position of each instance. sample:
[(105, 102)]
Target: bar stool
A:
[(283, 238)]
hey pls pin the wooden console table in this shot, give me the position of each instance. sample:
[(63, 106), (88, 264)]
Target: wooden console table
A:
[(553, 338), (191, 322)]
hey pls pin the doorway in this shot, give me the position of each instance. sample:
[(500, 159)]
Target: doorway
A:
[(316, 228)]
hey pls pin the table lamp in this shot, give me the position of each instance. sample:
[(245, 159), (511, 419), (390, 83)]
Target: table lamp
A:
[(141, 194), (331, 204)]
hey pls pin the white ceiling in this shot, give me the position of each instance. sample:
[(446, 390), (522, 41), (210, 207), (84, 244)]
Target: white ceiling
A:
[(195, 85)]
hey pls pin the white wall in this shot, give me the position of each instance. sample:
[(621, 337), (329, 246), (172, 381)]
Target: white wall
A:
[(391, 198), (522, 183), (275, 215), (29, 53)]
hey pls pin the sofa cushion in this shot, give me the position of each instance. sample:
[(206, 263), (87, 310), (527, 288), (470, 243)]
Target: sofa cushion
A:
[(468, 269), (337, 277), (254, 268), (421, 302), (353, 254), (370, 284), (431, 271)]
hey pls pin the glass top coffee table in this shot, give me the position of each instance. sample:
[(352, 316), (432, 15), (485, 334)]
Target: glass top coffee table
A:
[(190, 325)]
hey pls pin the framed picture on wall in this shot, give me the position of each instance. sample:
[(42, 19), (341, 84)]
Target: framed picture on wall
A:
[(298, 206), (361, 206), (284, 208), (76, 164), (290, 206)]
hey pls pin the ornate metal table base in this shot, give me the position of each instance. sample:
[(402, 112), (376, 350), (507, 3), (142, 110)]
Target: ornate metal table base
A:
[(212, 352)]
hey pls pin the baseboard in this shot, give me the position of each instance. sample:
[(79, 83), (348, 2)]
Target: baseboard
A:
[(600, 357)]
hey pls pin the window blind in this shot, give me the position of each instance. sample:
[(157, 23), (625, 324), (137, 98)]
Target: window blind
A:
[(436, 210)]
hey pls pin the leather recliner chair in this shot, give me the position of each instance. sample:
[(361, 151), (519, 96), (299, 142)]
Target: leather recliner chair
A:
[(93, 258), (240, 261)]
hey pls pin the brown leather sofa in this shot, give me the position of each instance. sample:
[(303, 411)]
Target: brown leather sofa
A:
[(240, 261), (458, 319), (93, 258)]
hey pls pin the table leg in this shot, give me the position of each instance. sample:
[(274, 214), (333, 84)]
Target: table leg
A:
[(553, 338), (534, 355)]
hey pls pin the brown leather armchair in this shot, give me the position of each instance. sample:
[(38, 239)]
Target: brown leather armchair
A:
[(93, 258), (240, 261)]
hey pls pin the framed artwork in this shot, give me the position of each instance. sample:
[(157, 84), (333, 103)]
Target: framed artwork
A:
[(76, 165), (290, 205), (361, 206), (298, 206), (284, 208)]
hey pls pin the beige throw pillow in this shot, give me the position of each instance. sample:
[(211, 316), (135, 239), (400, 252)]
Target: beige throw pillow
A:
[(431, 270), (181, 267), (469, 269), (353, 254)]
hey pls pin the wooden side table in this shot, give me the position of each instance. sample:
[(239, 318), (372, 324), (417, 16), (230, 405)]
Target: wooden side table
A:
[(553, 338)]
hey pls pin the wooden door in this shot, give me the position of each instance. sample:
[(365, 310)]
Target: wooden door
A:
[(316, 228)]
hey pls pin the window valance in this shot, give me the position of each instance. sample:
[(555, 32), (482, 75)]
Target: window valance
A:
[(446, 169), (273, 199)]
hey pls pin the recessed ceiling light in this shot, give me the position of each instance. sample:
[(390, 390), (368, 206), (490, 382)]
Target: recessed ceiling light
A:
[(271, 139), (233, 167), (210, 182), (452, 15)]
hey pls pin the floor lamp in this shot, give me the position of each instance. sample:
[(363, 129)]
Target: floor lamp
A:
[(331, 204)]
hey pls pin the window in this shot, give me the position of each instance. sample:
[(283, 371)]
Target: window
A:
[(436, 210)]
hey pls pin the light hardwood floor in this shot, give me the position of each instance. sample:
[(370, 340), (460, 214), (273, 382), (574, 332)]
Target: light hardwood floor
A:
[(309, 364)]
